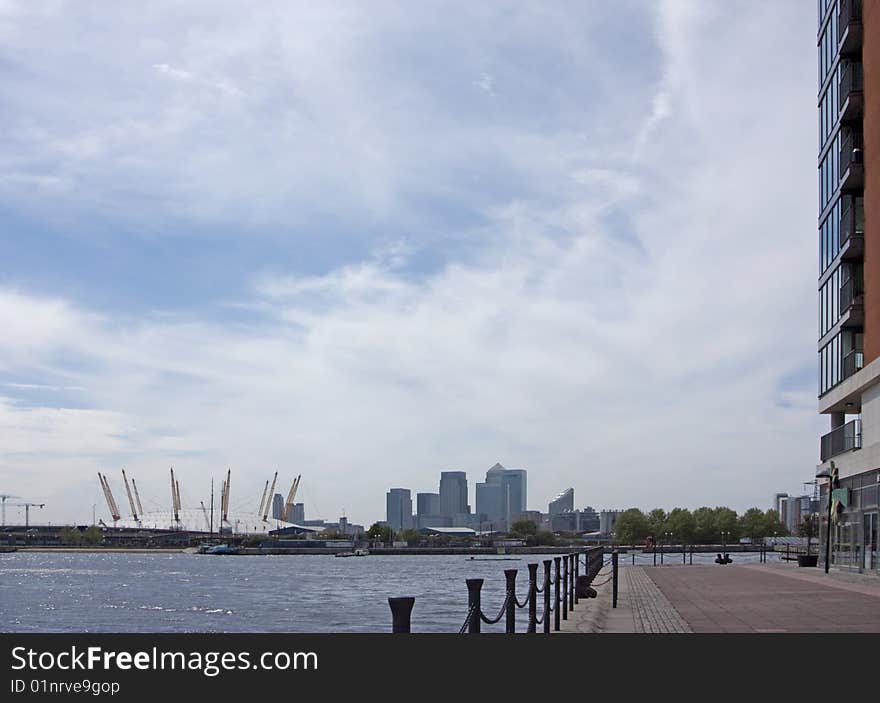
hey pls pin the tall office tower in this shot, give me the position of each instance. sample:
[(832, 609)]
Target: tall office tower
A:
[(849, 280), (398, 509), (561, 503), (453, 494), (298, 514), (277, 506), (502, 497), (428, 510)]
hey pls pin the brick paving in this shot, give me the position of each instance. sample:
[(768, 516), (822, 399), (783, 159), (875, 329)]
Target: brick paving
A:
[(651, 609), (757, 598)]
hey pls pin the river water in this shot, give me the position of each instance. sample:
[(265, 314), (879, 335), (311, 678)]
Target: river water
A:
[(128, 592)]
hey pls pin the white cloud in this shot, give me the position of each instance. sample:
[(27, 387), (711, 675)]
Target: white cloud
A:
[(642, 360)]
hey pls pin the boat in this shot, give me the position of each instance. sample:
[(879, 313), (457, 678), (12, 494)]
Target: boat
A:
[(218, 549), (355, 553)]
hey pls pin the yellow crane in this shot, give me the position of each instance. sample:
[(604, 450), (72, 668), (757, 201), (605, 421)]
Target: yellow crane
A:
[(288, 505), (269, 499), (134, 510), (108, 496)]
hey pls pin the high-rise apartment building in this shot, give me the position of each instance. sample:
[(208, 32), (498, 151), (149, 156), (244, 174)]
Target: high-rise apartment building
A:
[(849, 274), (398, 509)]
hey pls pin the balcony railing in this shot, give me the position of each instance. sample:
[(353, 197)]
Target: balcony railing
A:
[(850, 13), (850, 150), (852, 362), (850, 292), (852, 218), (851, 81), (841, 439)]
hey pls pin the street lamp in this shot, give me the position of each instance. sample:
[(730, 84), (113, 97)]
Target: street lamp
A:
[(724, 535), (829, 474)]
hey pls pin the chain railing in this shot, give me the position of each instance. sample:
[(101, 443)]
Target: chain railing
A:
[(563, 586)]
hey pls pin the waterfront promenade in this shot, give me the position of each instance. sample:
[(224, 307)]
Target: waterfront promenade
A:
[(733, 598)]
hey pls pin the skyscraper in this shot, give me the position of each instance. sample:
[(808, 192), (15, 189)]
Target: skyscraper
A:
[(398, 509), (564, 502), (502, 497), (453, 494), (849, 268), (277, 506)]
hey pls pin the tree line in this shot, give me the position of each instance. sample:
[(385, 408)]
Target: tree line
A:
[(702, 526)]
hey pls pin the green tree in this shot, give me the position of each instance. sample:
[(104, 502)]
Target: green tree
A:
[(541, 538), (93, 535), (657, 523), (682, 525), (809, 528), (753, 524), (69, 535), (775, 526), (379, 532), (704, 525), (523, 528), (727, 521), (631, 527), (409, 536)]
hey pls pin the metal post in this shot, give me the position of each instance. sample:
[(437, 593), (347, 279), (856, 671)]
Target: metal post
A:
[(828, 529), (401, 612), (634, 558), (587, 562), (661, 554), (510, 618), (533, 598), (565, 587), (614, 579), (474, 604), (683, 554), (547, 563), (571, 558), (692, 556), (655, 555), (556, 596), (577, 574)]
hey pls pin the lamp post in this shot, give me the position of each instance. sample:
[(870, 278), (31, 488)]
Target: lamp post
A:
[(829, 474), (724, 535)]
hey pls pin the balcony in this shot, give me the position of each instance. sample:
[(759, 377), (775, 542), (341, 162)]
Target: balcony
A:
[(852, 171), (852, 363), (851, 291), (849, 26), (852, 227), (845, 438), (852, 99)]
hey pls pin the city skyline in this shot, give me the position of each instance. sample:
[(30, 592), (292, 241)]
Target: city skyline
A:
[(374, 243)]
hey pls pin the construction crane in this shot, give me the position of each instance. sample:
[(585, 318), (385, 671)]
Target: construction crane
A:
[(131, 504), (175, 498), (137, 498), (263, 499), (269, 499), (27, 511), (288, 506), (108, 496), (225, 515), (5, 496)]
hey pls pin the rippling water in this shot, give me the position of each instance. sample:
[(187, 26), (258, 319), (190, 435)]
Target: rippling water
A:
[(119, 592)]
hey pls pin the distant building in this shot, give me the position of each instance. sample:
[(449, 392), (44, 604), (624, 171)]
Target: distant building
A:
[(278, 506), (398, 508), (607, 518), (298, 514), (453, 493), (589, 520), (564, 502), (428, 510), (534, 516), (502, 496)]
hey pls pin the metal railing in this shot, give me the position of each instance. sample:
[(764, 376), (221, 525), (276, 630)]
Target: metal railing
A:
[(851, 81), (850, 11), (852, 218), (852, 362), (841, 439), (561, 589), (850, 150), (850, 290)]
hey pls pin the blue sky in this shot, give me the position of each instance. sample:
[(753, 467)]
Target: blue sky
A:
[(366, 243)]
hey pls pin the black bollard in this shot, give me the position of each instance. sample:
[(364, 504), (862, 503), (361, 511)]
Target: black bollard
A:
[(577, 573), (401, 612), (556, 594), (533, 598), (692, 556), (655, 555), (510, 614), (474, 587), (634, 558), (683, 555), (571, 560), (565, 587), (547, 563), (614, 579)]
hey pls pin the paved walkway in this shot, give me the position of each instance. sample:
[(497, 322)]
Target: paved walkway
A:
[(759, 598), (734, 598)]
